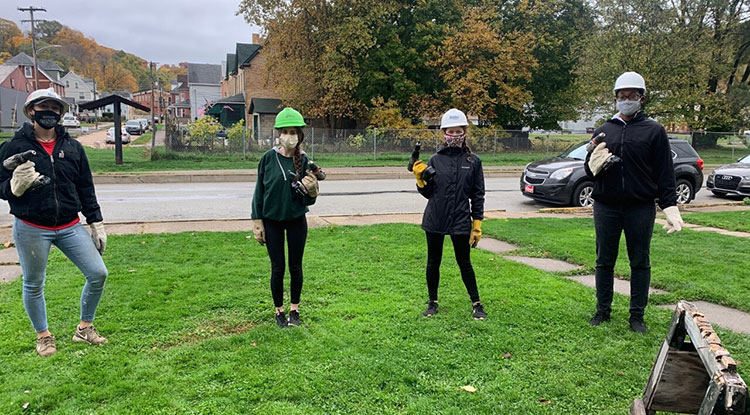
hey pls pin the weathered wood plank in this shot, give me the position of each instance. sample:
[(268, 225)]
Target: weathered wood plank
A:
[(637, 408), (655, 376)]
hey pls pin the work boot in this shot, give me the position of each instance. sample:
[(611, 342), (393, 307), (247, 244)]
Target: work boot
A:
[(478, 312), (637, 325), (281, 319), (598, 318), (294, 318), (45, 346), (88, 335), (432, 307)]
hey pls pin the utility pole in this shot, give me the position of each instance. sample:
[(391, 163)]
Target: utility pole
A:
[(96, 110), (153, 109), (31, 10)]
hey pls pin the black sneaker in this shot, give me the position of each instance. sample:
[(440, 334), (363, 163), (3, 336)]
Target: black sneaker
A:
[(637, 325), (599, 318), (432, 307), (294, 318), (478, 312), (281, 319)]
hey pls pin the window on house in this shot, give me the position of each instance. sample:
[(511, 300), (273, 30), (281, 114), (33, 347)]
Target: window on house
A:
[(81, 95), (13, 83), (27, 70), (67, 84), (76, 85)]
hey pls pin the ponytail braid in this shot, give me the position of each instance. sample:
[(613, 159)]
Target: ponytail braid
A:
[(298, 155)]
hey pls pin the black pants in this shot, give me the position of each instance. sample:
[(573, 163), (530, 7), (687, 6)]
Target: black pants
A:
[(296, 232), (638, 223), (462, 249)]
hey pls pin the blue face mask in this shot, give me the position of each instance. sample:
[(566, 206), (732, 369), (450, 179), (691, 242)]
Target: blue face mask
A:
[(628, 107)]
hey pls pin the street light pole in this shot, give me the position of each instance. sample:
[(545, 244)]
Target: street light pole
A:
[(153, 109), (31, 10)]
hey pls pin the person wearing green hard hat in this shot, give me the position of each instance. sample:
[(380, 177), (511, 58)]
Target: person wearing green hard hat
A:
[(285, 187)]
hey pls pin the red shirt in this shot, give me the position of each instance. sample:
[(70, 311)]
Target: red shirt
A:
[(49, 147)]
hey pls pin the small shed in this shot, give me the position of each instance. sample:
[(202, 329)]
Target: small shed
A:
[(263, 111)]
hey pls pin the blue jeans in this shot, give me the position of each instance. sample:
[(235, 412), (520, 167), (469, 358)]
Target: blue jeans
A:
[(33, 245), (637, 222)]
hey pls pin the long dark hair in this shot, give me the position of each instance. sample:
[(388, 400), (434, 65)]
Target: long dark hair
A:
[(298, 153)]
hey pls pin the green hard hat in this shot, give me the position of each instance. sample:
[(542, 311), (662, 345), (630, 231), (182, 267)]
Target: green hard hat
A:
[(289, 117)]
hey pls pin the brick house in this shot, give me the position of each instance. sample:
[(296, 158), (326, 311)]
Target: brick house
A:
[(180, 98), (14, 88), (48, 72), (245, 74), (162, 100)]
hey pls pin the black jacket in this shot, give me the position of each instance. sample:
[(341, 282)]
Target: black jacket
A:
[(645, 173), (458, 179), (72, 187)]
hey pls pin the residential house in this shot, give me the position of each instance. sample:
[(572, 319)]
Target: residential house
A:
[(14, 88), (48, 72), (127, 110), (245, 74), (78, 89), (161, 99), (204, 84), (180, 98)]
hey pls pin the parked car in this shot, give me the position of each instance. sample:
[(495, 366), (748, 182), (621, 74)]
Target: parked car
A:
[(731, 179), (144, 124), (70, 120), (134, 127), (562, 180), (110, 139)]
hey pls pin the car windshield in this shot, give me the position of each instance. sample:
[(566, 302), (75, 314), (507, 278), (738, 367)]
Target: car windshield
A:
[(745, 160), (577, 151), (133, 123)]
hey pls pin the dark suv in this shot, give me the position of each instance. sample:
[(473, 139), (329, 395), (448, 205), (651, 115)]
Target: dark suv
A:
[(562, 180)]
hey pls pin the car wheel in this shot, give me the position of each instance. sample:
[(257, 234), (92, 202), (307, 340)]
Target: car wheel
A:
[(684, 191), (582, 195)]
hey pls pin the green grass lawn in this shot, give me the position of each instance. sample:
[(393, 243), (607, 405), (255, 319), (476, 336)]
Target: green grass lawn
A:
[(191, 330), (691, 265), (145, 137), (731, 221), (722, 155)]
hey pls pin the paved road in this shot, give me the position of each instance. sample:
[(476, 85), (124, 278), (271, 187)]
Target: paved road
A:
[(150, 202)]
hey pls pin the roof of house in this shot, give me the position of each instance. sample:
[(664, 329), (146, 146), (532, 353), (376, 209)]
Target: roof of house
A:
[(21, 59), (245, 53), (231, 65), (5, 71), (112, 98), (204, 73), (183, 104), (265, 106), (234, 99), (49, 77), (49, 66)]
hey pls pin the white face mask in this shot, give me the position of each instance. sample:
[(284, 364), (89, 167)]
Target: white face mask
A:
[(288, 140), (628, 107)]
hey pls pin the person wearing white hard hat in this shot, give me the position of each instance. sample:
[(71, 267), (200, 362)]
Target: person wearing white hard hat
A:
[(46, 213), (631, 166), (455, 192)]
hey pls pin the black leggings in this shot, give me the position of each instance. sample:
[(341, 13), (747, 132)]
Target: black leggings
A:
[(462, 250), (296, 232)]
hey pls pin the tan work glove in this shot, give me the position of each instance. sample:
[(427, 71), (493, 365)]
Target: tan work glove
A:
[(311, 184), (476, 233), (99, 236), (23, 177), (674, 219), (598, 157), (417, 169), (259, 231)]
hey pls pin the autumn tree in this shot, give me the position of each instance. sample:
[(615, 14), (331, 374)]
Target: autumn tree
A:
[(8, 31)]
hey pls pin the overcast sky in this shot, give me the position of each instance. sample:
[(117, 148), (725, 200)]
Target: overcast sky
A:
[(165, 31)]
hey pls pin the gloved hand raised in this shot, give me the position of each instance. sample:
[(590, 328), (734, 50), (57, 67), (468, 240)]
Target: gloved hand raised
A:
[(259, 231), (476, 233), (418, 169), (598, 157), (99, 236), (311, 184), (674, 219), (23, 177)]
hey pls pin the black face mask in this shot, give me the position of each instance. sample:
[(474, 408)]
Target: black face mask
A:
[(46, 119)]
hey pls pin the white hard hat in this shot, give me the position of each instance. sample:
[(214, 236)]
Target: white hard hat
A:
[(629, 80), (41, 95), (453, 118)]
